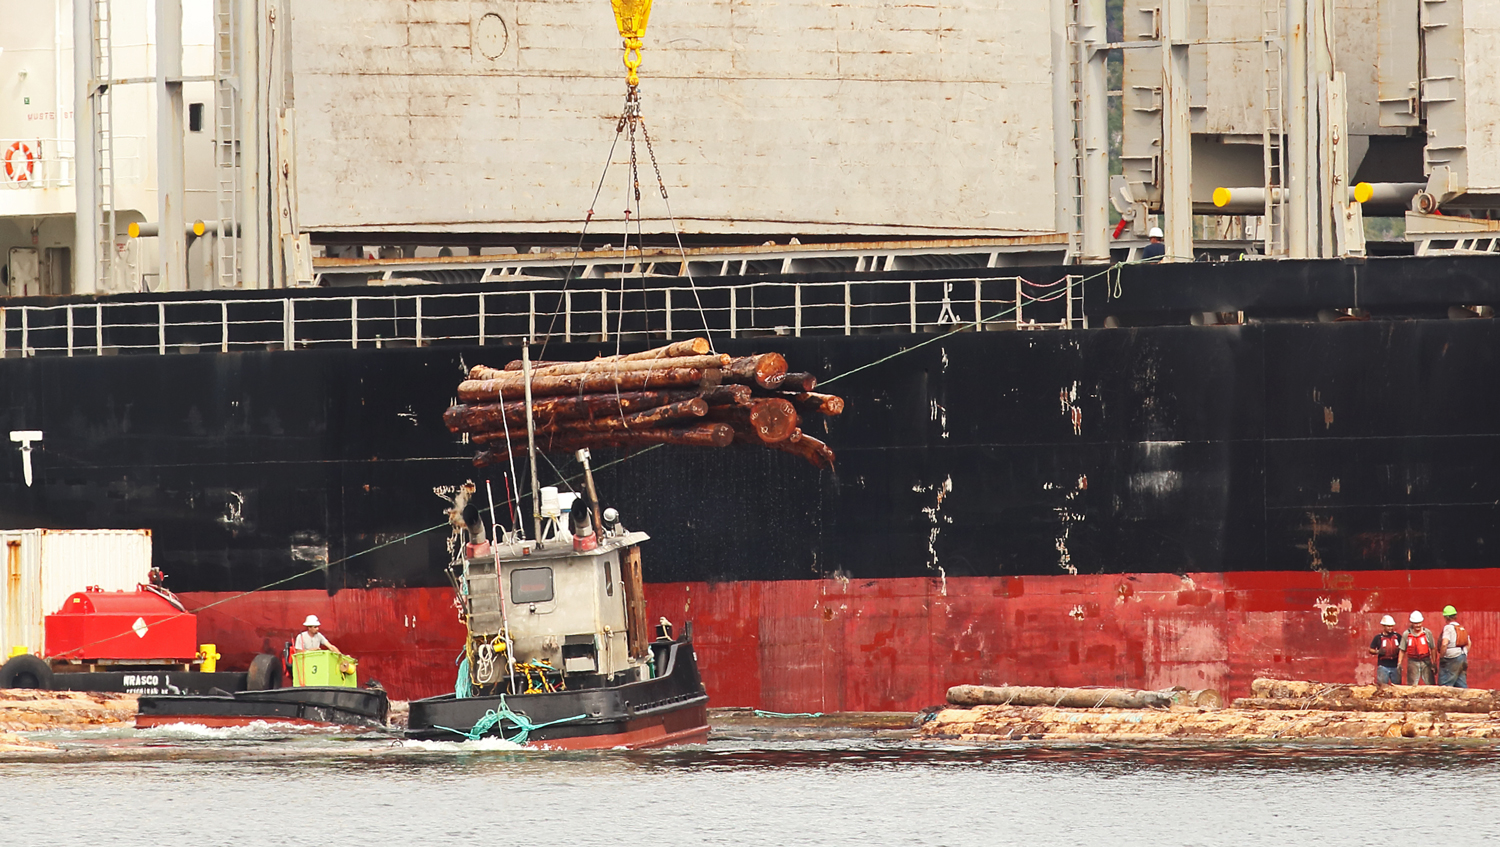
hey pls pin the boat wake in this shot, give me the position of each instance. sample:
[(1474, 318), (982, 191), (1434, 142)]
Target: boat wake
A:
[(483, 745)]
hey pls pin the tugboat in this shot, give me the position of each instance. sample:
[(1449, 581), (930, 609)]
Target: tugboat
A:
[(325, 693), (558, 652)]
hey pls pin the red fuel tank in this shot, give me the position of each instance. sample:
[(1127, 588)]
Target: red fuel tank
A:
[(144, 624)]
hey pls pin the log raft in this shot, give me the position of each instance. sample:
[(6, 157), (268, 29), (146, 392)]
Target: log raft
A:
[(1280, 709), (680, 393)]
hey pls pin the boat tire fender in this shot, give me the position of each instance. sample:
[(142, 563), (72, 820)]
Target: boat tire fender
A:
[(265, 673), (26, 671)]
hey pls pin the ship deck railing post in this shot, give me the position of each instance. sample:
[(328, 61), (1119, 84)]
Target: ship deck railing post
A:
[(223, 326), (288, 324), (733, 312), (1019, 294), (604, 315), (98, 329), (481, 319), (418, 307), (912, 296), (70, 330), (161, 329), (354, 323), (3, 314), (25, 331), (531, 316), (568, 316), (978, 306), (848, 308), (797, 309)]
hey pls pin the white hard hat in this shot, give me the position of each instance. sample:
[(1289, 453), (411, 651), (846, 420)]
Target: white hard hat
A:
[(312, 620), (1416, 617), (1155, 232), (1387, 621)]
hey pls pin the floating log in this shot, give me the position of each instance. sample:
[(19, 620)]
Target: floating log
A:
[(1073, 698), (1296, 689), (799, 382), (1358, 704), (763, 369), (597, 367), (488, 390), (817, 404), (801, 444), (768, 419), (696, 407)]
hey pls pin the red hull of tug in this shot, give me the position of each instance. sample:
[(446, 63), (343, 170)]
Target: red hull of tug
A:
[(898, 644)]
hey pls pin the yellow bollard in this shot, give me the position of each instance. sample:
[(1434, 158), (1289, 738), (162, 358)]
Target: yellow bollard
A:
[(210, 656)]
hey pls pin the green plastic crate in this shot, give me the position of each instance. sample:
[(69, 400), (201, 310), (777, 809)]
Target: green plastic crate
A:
[(324, 667)]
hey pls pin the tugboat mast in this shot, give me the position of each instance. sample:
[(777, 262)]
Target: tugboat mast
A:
[(536, 507)]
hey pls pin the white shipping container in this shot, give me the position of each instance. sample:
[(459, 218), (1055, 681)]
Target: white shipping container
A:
[(43, 566)]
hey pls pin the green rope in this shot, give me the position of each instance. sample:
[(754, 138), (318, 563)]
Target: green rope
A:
[(762, 713), (492, 717), (461, 687)]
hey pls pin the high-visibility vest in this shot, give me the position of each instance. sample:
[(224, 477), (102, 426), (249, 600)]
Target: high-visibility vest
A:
[(1417, 646), (1390, 646)]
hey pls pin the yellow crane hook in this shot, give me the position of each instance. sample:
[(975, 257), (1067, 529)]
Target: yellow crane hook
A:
[(631, 17)]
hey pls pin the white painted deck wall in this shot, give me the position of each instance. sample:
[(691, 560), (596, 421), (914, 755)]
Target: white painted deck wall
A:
[(767, 116)]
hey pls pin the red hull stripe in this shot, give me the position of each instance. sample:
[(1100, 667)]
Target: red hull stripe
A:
[(898, 644), (653, 736)]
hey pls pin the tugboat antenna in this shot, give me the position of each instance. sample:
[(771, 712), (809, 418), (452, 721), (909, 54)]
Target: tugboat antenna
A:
[(536, 503)]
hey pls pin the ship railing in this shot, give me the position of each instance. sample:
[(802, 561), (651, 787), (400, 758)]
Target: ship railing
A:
[(37, 163), (328, 319)]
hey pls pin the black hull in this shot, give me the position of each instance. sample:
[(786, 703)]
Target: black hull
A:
[(670, 709), (1282, 444), (313, 705), (151, 682)]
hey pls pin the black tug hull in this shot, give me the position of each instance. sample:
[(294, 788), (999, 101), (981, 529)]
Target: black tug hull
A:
[(670, 709), (323, 706)]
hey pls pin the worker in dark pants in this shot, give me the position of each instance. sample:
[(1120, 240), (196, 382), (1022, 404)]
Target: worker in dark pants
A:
[(1453, 665), (1419, 648), (1386, 648)]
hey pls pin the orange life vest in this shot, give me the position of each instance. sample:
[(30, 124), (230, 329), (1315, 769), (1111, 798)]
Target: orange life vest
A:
[(1390, 646), (1417, 646)]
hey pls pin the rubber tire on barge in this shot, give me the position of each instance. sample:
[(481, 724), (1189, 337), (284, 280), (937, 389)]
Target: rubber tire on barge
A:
[(26, 671), (669, 709)]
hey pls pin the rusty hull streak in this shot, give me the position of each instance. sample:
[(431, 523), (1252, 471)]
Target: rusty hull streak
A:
[(897, 644)]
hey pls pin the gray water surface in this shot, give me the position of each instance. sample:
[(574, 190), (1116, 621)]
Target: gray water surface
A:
[(178, 786)]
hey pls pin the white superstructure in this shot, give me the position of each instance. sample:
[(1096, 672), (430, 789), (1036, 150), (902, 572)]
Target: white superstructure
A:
[(38, 196)]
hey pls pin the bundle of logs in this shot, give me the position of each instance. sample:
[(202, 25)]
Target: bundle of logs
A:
[(1293, 694), (677, 394)]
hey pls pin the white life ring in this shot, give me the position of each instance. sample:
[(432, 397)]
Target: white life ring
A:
[(19, 162)]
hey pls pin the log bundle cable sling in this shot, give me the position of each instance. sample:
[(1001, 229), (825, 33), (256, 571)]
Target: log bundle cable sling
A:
[(631, 18)]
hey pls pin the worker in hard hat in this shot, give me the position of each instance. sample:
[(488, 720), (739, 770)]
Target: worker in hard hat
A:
[(1154, 249), (311, 639), (1386, 648), (1453, 663), (1419, 648)]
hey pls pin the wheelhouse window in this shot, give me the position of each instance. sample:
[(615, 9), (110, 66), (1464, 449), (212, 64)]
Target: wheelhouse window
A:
[(531, 585)]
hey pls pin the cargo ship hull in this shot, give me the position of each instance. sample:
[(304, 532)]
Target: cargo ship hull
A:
[(1156, 505)]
